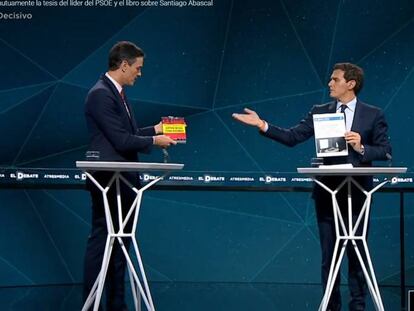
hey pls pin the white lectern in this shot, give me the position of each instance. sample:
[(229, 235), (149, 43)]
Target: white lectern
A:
[(350, 233), (138, 290)]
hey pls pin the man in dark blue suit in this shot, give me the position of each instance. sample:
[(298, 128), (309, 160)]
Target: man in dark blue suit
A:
[(367, 135), (115, 136)]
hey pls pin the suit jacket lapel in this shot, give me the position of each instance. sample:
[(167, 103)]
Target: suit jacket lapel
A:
[(332, 107), (112, 88), (356, 123), (132, 118), (120, 100)]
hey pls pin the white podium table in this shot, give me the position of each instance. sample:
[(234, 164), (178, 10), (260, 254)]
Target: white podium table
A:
[(139, 287), (345, 234)]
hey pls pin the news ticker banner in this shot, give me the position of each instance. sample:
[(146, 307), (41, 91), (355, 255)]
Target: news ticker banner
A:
[(38, 177), (26, 10)]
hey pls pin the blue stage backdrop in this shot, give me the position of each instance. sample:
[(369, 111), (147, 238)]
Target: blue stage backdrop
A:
[(204, 64)]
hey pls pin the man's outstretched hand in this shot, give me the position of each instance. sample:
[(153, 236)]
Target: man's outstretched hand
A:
[(250, 117)]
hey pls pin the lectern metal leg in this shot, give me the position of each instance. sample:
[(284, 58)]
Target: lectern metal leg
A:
[(369, 277), (104, 269), (351, 234), (144, 278), (97, 289), (91, 296), (136, 279), (138, 290), (134, 290), (379, 304), (333, 273)]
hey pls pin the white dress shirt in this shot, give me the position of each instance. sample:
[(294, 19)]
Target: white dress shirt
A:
[(349, 112)]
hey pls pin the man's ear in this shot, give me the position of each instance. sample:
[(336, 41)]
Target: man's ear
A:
[(124, 65)]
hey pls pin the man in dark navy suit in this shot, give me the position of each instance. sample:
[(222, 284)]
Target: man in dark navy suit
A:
[(367, 136), (115, 136)]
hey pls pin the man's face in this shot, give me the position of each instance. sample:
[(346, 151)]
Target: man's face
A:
[(339, 87), (132, 72)]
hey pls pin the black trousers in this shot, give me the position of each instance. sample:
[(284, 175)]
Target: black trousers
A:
[(115, 278), (324, 214)]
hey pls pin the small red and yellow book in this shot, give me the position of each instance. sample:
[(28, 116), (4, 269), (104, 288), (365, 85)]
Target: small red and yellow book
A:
[(174, 127)]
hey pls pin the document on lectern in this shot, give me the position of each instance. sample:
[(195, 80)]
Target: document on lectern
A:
[(330, 135)]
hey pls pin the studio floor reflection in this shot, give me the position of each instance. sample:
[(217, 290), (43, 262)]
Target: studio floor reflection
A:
[(191, 296)]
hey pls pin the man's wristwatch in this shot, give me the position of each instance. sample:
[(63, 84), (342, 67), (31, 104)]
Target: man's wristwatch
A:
[(362, 150)]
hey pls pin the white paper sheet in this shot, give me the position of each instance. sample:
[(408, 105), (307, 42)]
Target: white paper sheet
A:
[(330, 135)]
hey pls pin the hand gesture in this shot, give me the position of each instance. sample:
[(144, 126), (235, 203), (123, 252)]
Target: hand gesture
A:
[(250, 117)]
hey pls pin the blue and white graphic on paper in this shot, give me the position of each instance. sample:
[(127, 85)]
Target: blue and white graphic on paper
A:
[(330, 135)]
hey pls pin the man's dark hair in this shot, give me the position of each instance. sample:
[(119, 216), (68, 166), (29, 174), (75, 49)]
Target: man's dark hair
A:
[(121, 51), (352, 72)]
